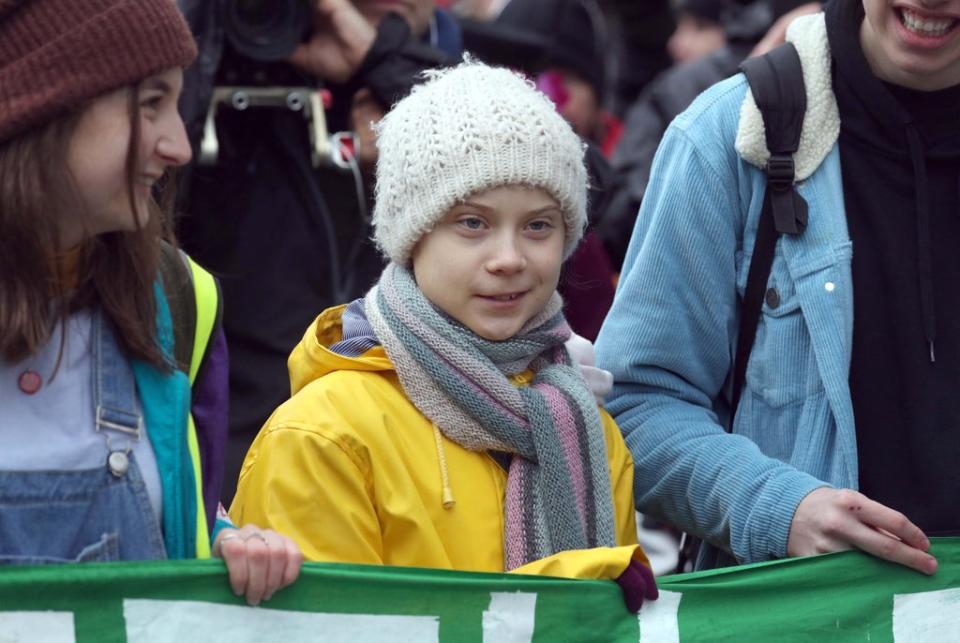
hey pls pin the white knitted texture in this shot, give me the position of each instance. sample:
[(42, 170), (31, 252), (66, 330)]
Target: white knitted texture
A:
[(468, 129)]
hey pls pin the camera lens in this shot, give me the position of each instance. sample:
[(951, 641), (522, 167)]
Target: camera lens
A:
[(257, 13), (266, 30)]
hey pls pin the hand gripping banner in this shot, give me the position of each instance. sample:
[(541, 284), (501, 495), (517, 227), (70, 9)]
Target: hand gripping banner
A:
[(838, 597)]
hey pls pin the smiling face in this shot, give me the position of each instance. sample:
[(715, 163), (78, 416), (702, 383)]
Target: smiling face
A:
[(913, 43), (493, 261), (97, 155)]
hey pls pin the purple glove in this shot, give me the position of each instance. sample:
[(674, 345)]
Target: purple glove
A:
[(637, 584)]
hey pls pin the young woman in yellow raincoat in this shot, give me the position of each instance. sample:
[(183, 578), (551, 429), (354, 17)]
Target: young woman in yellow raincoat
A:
[(439, 421)]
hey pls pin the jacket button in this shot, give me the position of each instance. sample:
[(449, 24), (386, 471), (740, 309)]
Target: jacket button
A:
[(772, 297)]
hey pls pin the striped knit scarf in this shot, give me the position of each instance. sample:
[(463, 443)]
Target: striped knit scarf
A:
[(558, 483)]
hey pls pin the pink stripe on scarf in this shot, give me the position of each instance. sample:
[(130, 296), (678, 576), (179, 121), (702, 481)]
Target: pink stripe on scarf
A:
[(566, 423), (514, 534)]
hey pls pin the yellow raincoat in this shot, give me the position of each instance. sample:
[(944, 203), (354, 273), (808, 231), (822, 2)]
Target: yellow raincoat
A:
[(353, 472)]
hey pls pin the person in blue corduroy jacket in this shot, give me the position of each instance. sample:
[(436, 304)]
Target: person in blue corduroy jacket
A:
[(842, 436)]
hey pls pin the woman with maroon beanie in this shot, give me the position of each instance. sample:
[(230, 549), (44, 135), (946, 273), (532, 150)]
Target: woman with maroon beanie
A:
[(112, 363)]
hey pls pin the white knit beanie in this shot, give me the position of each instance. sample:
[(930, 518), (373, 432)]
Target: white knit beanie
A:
[(468, 129)]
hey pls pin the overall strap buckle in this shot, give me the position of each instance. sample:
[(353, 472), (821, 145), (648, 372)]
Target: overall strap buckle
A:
[(115, 396), (118, 420)]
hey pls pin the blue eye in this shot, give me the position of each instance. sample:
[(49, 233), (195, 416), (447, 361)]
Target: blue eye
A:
[(471, 223), (540, 226)]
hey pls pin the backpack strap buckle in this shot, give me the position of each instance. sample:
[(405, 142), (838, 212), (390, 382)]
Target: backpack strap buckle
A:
[(789, 208), (780, 171)]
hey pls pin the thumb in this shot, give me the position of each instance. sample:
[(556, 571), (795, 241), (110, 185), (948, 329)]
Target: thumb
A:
[(300, 56)]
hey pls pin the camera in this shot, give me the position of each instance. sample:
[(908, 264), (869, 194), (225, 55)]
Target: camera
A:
[(253, 73), (266, 30)]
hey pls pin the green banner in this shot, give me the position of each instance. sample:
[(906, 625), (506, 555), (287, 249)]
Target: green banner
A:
[(837, 597)]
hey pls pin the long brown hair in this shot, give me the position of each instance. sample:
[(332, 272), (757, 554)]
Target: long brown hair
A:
[(116, 270)]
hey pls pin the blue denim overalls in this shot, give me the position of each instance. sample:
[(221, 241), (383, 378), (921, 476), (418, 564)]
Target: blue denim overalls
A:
[(97, 514)]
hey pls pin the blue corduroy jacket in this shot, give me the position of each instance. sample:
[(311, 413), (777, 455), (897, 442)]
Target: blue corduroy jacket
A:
[(671, 334)]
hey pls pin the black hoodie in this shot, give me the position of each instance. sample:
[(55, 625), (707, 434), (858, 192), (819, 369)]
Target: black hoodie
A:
[(900, 159)]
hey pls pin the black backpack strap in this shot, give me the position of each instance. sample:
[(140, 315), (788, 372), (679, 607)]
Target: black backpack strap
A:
[(776, 82), (178, 288)]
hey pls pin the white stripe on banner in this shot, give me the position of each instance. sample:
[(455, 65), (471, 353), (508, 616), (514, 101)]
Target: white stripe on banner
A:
[(150, 621), (658, 619), (511, 617), (927, 616), (37, 627)]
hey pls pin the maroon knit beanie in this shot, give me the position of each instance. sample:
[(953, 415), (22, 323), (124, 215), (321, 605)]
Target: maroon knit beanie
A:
[(57, 54)]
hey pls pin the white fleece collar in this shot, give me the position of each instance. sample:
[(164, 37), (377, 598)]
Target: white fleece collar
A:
[(821, 122)]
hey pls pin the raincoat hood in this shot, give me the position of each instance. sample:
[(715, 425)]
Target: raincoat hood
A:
[(312, 358)]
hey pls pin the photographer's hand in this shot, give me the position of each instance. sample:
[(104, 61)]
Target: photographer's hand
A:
[(364, 112), (340, 41)]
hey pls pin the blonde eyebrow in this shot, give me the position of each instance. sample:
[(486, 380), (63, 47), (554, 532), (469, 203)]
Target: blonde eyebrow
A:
[(547, 208), (485, 208)]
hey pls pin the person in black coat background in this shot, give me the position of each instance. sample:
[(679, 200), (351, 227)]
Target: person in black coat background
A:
[(281, 232)]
